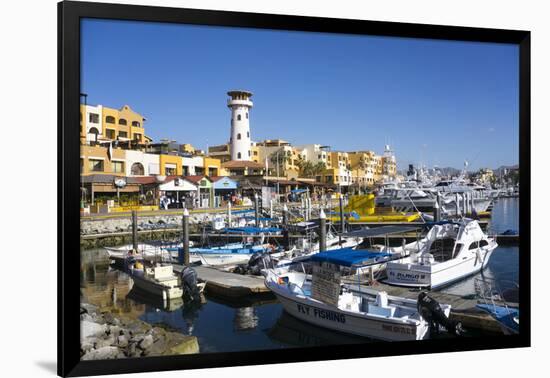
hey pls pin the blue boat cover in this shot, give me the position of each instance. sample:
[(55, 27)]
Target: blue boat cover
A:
[(504, 315), (348, 256), (251, 230)]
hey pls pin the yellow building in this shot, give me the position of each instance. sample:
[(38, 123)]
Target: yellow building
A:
[(213, 167), (170, 165), (101, 124)]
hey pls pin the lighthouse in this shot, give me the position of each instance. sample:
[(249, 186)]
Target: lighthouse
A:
[(240, 105)]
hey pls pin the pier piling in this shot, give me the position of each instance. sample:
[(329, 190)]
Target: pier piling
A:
[(134, 231), (323, 231), (185, 224), (256, 211)]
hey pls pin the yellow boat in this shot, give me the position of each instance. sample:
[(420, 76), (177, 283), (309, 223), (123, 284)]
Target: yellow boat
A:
[(365, 208)]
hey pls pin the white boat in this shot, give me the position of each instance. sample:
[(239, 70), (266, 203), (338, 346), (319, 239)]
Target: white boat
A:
[(159, 281), (449, 252), (370, 314), (146, 251)]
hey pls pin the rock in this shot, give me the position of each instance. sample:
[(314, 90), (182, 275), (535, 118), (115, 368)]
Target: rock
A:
[(86, 317), (159, 347), (108, 341), (105, 353), (114, 330), (146, 342), (189, 345), (88, 308), (122, 341), (88, 328), (109, 318), (86, 346)]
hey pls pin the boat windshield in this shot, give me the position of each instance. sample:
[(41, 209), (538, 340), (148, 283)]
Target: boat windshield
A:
[(458, 247)]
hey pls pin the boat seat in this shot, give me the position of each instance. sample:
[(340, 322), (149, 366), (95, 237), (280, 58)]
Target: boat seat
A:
[(380, 306)]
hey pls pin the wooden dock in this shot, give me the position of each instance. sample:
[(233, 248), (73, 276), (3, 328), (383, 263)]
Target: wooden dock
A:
[(227, 284)]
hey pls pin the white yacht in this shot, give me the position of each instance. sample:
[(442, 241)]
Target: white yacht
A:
[(448, 253)]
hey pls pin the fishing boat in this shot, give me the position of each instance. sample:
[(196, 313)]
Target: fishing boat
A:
[(449, 252), (321, 299)]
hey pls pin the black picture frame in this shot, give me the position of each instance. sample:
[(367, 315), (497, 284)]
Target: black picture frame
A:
[(69, 15)]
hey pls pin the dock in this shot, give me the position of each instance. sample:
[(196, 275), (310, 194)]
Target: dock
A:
[(227, 284)]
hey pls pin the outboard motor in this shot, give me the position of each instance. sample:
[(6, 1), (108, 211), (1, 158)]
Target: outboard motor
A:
[(259, 261), (432, 312), (189, 283)]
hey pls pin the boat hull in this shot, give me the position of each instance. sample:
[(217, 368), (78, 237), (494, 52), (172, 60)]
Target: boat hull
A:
[(437, 275), (156, 289)]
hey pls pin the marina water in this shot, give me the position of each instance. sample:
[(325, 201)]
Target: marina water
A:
[(223, 326)]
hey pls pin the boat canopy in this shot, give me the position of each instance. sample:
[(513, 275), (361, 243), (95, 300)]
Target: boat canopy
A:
[(251, 230), (348, 256), (297, 191), (381, 231)]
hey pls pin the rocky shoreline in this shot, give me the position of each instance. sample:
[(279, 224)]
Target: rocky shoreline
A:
[(106, 336)]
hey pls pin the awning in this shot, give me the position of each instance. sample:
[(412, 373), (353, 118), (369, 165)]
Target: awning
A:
[(349, 257), (381, 231)]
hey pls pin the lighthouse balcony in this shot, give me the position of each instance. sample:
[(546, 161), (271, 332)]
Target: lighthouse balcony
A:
[(231, 102)]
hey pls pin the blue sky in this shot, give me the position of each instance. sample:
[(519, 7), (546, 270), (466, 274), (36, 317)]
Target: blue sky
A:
[(436, 102)]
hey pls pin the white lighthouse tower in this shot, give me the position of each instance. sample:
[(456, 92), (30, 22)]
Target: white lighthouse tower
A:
[(240, 105)]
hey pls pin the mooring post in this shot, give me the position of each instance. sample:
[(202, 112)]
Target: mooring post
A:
[(256, 210), (323, 229), (342, 222), (229, 213), (185, 223), (134, 231)]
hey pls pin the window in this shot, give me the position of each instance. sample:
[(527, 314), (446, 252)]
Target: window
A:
[(185, 170), (169, 171), (483, 243), (118, 166), (95, 165), (255, 153), (458, 247), (123, 134), (318, 156), (137, 169), (136, 124), (122, 121), (239, 155), (110, 119), (137, 137), (238, 136), (238, 117), (199, 171), (248, 153), (81, 165), (248, 134), (212, 171), (474, 245), (110, 133), (93, 118)]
